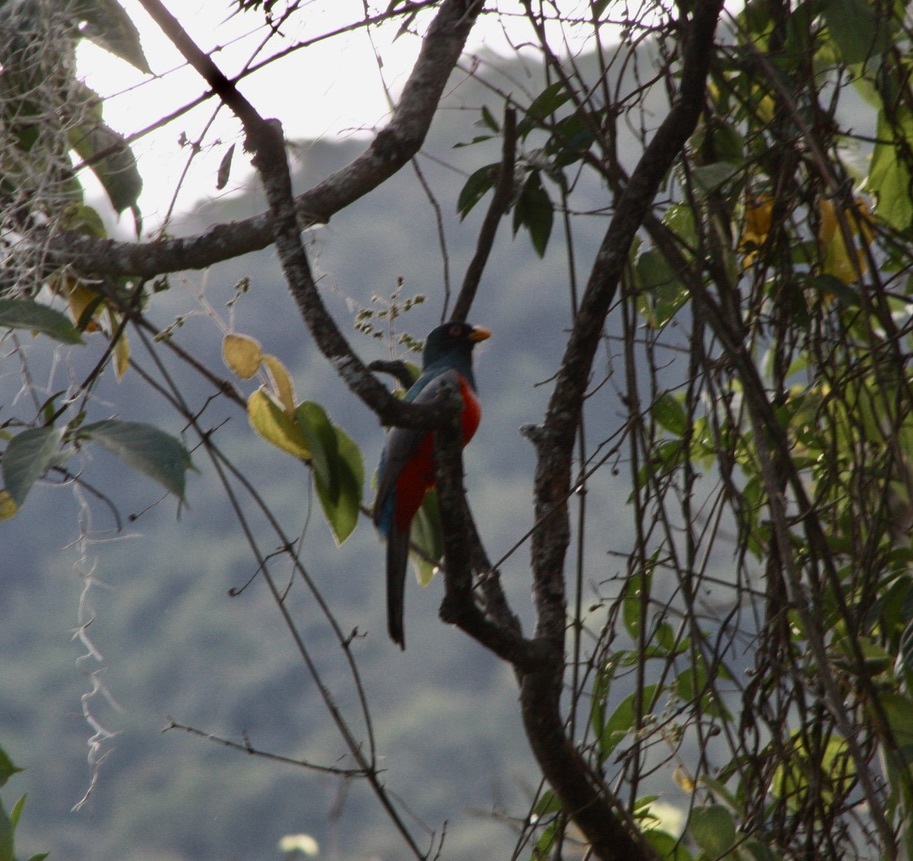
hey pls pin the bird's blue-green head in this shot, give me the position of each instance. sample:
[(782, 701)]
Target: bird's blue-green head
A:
[(451, 345)]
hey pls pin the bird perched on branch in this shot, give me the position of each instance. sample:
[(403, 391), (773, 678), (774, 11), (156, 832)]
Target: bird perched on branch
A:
[(406, 471)]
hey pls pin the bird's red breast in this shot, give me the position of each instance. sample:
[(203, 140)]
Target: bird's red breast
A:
[(417, 476)]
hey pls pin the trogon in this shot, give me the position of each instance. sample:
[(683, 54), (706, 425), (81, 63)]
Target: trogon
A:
[(406, 471)]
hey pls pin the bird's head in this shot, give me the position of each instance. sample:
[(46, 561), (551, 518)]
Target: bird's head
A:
[(452, 341)]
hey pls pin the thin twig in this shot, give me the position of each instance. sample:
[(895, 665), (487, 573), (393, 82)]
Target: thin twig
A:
[(503, 193)]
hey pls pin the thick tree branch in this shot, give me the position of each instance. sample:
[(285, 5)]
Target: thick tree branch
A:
[(265, 139), (583, 794), (396, 368), (443, 44), (556, 440), (495, 627), (393, 148)]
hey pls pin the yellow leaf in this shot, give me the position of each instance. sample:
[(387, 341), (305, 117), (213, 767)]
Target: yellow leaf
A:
[(847, 264), (827, 213), (242, 355), (758, 218), (121, 355), (269, 420), (282, 383), (681, 777), (80, 297), (866, 221), (121, 347), (766, 109), (8, 507)]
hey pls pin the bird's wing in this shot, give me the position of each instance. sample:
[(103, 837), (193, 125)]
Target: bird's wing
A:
[(403, 443)]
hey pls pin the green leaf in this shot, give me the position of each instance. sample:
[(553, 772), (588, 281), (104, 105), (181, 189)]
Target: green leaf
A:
[(600, 695), (694, 685), (622, 720), (489, 120), (831, 286), (833, 767), (534, 211), (889, 177), (548, 802), (661, 291), (710, 177), (475, 188), (898, 710), (666, 846), (630, 611), (668, 413), (680, 219), (720, 790), (84, 219), (904, 661), (342, 515), (427, 536), (572, 136), (476, 140), (6, 836), (109, 27), (546, 841), (275, 425), (27, 457), (109, 157), (28, 314), (755, 17), (338, 468), (145, 448), (728, 144), (638, 591), (544, 105), (856, 28), (758, 851), (713, 829), (322, 441), (16, 812), (7, 769)]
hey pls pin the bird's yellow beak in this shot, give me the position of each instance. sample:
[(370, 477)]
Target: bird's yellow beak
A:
[(479, 333)]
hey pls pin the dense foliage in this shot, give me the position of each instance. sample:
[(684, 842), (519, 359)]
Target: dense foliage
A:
[(747, 652)]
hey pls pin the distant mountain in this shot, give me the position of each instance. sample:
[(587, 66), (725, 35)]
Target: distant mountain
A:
[(174, 643)]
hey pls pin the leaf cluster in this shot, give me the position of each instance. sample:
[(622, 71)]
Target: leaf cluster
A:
[(752, 653), (9, 821)]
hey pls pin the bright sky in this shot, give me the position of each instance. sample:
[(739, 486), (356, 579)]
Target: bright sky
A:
[(332, 88)]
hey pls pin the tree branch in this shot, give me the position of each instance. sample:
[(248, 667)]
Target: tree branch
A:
[(266, 141), (555, 439), (394, 147), (442, 45), (495, 628), (500, 200), (583, 794)]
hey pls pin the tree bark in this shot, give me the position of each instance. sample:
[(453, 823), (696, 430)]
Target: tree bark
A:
[(584, 795), (394, 146), (539, 662)]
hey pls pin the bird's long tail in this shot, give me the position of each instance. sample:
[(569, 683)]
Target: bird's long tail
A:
[(397, 562)]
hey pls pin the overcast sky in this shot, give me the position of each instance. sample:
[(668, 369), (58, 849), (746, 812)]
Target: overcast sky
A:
[(333, 88)]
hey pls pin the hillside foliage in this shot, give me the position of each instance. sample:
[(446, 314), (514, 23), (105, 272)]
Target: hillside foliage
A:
[(718, 540)]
